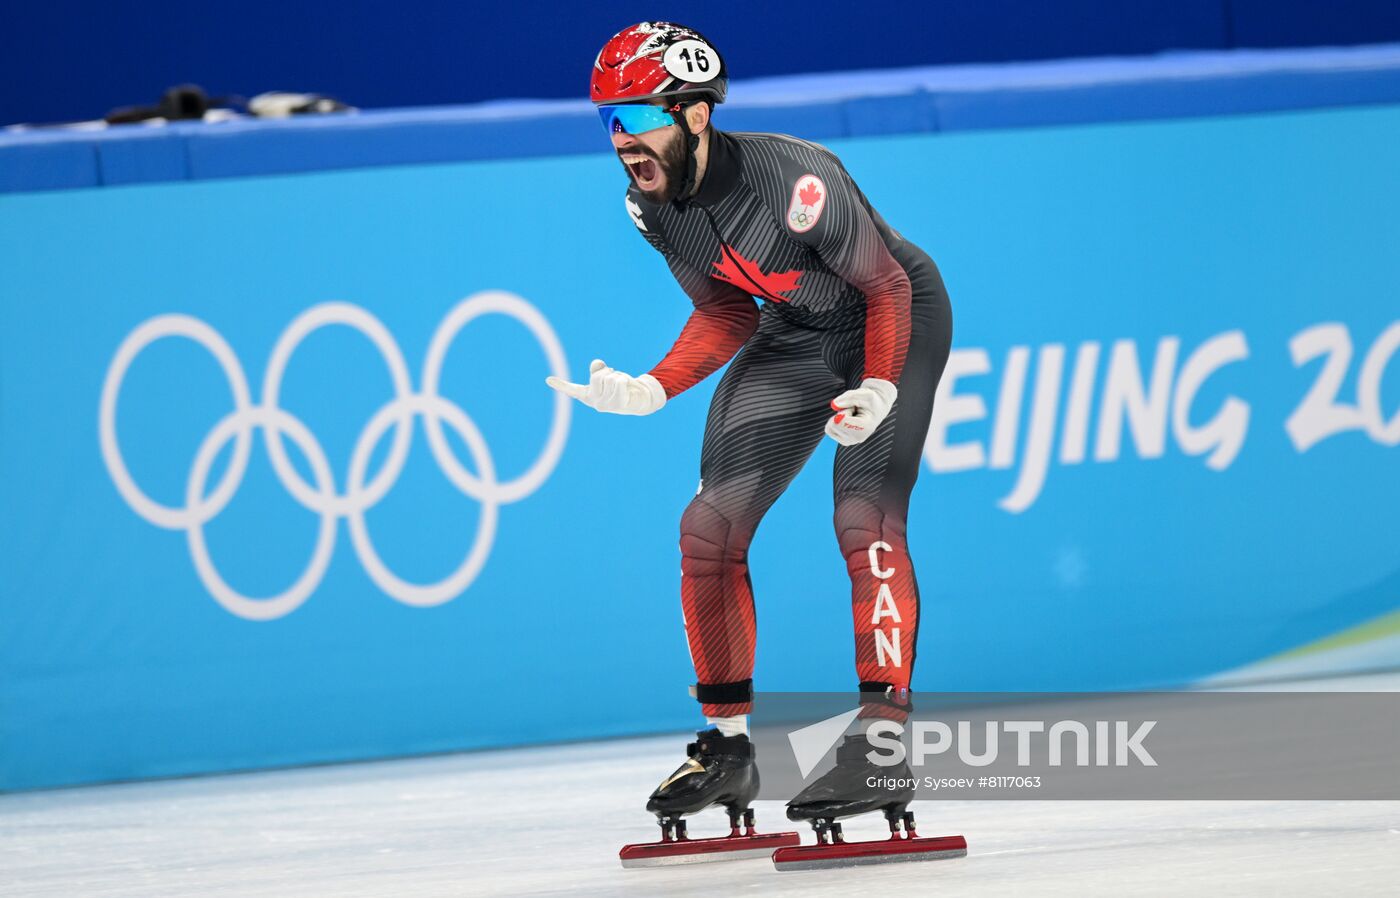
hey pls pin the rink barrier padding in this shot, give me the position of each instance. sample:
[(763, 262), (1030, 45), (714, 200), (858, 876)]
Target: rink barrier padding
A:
[(64, 73), (820, 107)]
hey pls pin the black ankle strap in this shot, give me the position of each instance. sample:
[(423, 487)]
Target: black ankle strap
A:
[(713, 742), (736, 693)]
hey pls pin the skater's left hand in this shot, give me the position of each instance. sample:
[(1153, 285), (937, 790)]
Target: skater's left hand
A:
[(860, 411)]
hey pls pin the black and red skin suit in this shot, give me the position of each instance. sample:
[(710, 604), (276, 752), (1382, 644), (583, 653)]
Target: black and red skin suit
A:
[(843, 297)]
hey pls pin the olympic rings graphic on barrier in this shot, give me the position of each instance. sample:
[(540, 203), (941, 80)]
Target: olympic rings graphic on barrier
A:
[(321, 496)]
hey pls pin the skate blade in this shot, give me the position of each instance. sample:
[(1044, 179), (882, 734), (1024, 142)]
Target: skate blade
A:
[(854, 854), (704, 851)]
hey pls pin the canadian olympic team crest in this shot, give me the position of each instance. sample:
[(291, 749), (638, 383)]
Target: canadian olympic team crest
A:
[(808, 201), (202, 504)]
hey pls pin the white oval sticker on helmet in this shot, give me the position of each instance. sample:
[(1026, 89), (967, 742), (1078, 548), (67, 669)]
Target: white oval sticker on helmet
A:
[(691, 60)]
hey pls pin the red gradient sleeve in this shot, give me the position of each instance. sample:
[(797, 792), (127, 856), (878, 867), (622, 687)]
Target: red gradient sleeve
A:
[(850, 243), (887, 301), (723, 320)]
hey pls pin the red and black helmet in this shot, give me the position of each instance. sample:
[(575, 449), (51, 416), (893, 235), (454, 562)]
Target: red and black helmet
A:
[(658, 59)]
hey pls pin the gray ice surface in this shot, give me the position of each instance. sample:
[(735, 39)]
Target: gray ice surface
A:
[(549, 821)]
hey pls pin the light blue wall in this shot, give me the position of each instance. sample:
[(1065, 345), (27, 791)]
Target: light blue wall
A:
[(118, 662)]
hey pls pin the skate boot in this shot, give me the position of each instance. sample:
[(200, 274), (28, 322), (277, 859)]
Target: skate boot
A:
[(856, 785), (718, 770)]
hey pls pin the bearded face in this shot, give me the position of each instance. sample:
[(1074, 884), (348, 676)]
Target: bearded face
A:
[(655, 161)]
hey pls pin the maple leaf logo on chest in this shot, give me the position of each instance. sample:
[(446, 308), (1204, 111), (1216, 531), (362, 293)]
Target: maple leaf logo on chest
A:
[(749, 277)]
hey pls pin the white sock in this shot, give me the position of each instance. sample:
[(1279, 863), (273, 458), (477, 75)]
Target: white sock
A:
[(730, 726)]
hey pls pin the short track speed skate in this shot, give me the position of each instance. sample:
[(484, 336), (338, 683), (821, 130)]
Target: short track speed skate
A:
[(845, 791), (718, 770)]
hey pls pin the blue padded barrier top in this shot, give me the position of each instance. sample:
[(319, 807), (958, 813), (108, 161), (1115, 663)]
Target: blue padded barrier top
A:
[(849, 104)]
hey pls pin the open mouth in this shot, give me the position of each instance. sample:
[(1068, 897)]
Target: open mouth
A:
[(644, 169)]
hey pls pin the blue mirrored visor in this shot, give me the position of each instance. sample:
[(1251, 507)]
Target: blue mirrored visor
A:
[(634, 118)]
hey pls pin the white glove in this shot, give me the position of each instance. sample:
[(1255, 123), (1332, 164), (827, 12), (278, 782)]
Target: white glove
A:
[(860, 411), (613, 391)]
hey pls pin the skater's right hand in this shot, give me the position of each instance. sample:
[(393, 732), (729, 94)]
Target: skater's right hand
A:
[(614, 391)]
